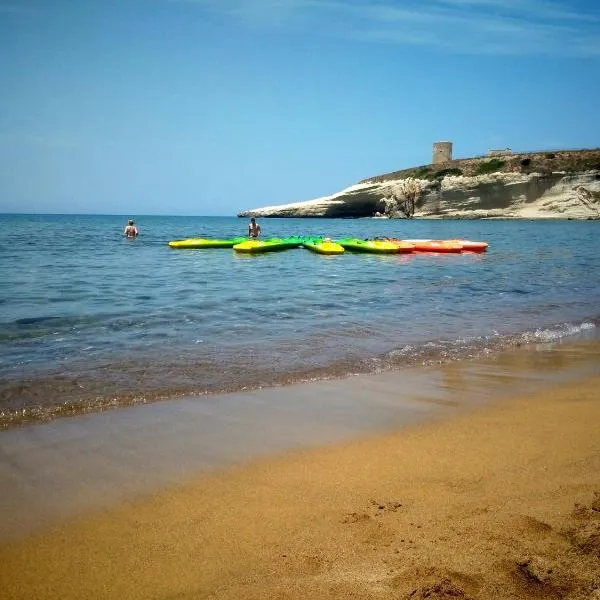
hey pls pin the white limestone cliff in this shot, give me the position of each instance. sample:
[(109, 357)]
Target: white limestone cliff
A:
[(497, 195)]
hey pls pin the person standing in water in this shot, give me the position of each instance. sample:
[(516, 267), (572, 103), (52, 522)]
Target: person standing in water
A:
[(253, 228), (131, 231)]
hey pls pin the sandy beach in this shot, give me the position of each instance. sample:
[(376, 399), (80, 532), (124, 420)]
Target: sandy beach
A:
[(498, 501)]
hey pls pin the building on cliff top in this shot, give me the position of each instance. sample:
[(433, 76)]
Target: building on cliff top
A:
[(442, 152), (503, 152)]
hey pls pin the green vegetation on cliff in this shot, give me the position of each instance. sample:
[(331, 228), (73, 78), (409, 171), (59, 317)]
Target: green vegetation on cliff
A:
[(569, 161), (490, 166)]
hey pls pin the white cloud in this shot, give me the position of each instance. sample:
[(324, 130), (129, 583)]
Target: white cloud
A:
[(541, 27), (541, 8)]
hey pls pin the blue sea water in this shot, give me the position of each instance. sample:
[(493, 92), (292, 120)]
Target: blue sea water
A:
[(88, 317)]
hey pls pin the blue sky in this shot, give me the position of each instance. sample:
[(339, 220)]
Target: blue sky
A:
[(208, 107)]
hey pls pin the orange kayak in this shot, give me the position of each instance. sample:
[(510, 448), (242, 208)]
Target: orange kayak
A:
[(445, 246), (470, 246)]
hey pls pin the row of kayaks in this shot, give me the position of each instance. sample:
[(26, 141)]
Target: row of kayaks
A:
[(322, 245)]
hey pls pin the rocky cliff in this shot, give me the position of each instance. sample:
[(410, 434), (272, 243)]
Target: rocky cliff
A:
[(563, 184)]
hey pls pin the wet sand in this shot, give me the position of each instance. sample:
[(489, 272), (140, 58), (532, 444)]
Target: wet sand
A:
[(444, 488)]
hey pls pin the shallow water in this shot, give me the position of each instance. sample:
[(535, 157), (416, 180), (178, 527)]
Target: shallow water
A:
[(50, 472), (89, 319)]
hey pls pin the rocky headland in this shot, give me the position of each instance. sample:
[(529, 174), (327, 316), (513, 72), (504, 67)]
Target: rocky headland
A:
[(534, 185)]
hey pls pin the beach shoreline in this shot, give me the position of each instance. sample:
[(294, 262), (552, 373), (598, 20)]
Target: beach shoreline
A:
[(69, 467), (498, 499), (41, 399)]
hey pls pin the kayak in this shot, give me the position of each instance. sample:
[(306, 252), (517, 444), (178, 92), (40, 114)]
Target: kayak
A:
[(373, 246), (402, 245), (206, 243), (268, 245), (471, 246), (448, 245), (443, 246), (323, 246)]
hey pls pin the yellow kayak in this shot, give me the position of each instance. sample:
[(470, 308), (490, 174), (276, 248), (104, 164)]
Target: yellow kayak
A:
[(323, 246), (269, 245), (206, 243)]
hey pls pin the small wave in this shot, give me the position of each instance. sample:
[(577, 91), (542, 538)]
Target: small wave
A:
[(435, 351), (552, 334)]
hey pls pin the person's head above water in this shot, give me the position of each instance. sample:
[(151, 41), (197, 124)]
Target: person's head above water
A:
[(130, 222), (252, 220)]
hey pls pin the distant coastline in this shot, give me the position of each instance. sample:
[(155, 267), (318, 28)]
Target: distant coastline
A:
[(563, 184)]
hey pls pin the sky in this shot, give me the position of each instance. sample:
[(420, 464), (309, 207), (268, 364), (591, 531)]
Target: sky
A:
[(210, 107)]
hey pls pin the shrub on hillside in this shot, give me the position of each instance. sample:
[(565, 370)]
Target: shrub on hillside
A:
[(422, 173), (444, 172), (490, 166)]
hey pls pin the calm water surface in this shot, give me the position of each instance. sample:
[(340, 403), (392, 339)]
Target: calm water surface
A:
[(88, 318)]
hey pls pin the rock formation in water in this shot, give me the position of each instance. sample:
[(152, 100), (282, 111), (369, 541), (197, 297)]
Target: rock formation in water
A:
[(563, 184)]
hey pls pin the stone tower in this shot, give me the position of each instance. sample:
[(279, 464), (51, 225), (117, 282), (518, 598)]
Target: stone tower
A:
[(442, 152)]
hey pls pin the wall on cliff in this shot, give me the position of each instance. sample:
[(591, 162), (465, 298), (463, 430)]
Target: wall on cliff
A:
[(496, 195)]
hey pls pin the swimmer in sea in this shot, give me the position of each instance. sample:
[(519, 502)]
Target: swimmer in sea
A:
[(253, 228), (131, 231)]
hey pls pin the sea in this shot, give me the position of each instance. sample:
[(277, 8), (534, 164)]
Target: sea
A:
[(90, 320)]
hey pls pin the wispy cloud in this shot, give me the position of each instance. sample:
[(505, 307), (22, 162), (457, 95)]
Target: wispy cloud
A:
[(539, 9), (532, 27)]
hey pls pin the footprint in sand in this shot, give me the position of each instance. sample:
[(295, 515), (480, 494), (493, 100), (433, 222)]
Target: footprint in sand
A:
[(585, 532), (436, 584), (375, 508)]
